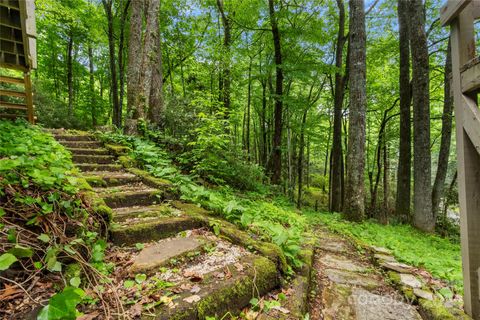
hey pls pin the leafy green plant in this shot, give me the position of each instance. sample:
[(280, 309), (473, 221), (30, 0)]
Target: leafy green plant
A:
[(62, 306)]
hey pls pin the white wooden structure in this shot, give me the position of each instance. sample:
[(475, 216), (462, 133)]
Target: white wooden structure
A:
[(460, 15), (18, 52)]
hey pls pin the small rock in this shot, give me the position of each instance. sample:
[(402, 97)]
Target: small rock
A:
[(397, 266), (410, 280), (423, 294), (382, 250), (384, 258)]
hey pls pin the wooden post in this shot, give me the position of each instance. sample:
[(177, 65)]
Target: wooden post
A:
[(29, 97), (468, 156)]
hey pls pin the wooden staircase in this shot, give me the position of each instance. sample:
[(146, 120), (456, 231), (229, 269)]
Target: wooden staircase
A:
[(461, 15), (16, 95)]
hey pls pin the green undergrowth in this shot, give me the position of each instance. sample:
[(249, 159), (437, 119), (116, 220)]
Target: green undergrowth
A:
[(265, 217), (440, 256), (45, 223)]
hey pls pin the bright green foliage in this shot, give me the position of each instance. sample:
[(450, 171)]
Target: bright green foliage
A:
[(62, 306), (438, 255), (6, 260)]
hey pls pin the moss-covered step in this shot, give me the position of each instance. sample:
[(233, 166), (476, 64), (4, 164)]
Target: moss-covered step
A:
[(132, 198), (98, 167), (139, 212), (87, 158), (85, 151), (217, 297), (110, 179), (75, 137), (81, 144), (151, 230)]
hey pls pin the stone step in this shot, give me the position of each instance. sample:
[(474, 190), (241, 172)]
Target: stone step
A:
[(99, 159), (110, 179), (74, 137), (132, 198), (99, 167), (139, 212), (252, 276), (85, 151), (81, 144), (152, 230), (159, 254)]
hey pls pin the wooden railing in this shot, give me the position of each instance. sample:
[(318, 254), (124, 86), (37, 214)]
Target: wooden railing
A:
[(460, 15)]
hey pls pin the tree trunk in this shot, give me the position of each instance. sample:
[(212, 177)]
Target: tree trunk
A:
[(277, 135), (249, 102), (117, 116), (439, 184), (300, 158), (135, 53), (225, 60), (156, 105), (402, 203), (70, 74), (92, 87), (121, 48), (354, 206), (336, 167), (422, 200)]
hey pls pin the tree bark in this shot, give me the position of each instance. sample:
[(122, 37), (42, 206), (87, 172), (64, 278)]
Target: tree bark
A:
[(92, 87), (156, 104), (117, 116), (354, 206), (336, 167), (402, 203), (422, 200), (121, 48), (225, 59), (70, 73), (278, 126), (439, 184), (135, 53)]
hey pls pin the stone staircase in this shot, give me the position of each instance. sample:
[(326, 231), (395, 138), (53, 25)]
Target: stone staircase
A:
[(146, 215)]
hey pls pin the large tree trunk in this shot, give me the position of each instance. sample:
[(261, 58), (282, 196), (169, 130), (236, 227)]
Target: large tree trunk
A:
[(117, 116), (439, 184), (354, 206), (70, 73), (224, 84), (402, 203), (336, 166), (422, 200), (92, 87), (121, 48), (135, 53), (276, 170), (156, 105)]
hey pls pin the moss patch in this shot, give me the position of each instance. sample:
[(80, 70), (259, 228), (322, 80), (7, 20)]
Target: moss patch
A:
[(435, 310)]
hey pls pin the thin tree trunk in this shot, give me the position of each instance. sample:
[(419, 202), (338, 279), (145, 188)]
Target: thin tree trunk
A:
[(278, 126), (121, 48), (423, 216), (117, 117), (92, 87), (300, 158), (249, 101), (225, 63), (402, 202), (354, 206), (439, 184), (336, 167), (70, 73)]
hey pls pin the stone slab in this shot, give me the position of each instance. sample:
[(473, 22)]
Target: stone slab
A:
[(340, 262), (369, 306), (397, 266), (410, 280), (161, 252), (351, 278), (333, 246)]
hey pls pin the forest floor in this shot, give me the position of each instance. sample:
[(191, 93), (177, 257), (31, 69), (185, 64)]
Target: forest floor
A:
[(168, 258)]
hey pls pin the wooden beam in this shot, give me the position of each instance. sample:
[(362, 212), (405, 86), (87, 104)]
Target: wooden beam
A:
[(11, 80), (471, 122), (12, 66), (29, 97), (470, 76), (11, 93), (451, 10), (10, 105), (9, 4)]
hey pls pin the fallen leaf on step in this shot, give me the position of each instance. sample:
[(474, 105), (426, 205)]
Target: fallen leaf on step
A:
[(281, 309), (89, 316), (9, 292), (135, 311), (191, 299)]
